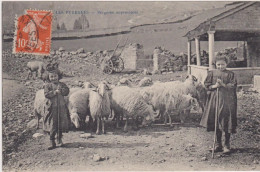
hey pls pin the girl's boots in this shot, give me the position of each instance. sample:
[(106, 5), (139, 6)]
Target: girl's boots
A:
[(52, 145), (227, 143), (219, 147), (59, 141)]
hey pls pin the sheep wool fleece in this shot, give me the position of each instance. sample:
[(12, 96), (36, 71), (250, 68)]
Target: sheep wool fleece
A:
[(227, 116), (50, 118)]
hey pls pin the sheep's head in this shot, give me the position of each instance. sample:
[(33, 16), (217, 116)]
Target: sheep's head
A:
[(189, 103), (102, 88), (88, 85), (192, 79), (149, 118), (75, 119)]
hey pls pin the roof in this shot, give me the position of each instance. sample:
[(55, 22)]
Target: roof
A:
[(236, 24)]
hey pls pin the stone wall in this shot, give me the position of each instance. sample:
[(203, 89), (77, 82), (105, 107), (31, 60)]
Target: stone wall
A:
[(253, 54), (131, 54)]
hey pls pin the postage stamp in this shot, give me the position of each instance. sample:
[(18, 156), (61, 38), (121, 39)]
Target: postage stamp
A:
[(33, 33)]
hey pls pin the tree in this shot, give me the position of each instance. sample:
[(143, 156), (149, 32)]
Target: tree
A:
[(58, 26), (84, 22), (63, 27), (77, 25)]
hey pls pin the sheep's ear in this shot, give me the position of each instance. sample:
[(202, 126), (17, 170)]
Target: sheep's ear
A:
[(194, 78)]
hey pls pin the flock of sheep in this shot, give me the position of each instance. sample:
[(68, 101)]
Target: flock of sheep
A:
[(160, 99)]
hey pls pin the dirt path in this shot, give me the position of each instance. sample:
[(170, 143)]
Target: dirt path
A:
[(183, 147)]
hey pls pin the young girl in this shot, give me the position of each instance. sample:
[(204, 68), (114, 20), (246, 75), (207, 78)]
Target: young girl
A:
[(225, 81), (56, 120)]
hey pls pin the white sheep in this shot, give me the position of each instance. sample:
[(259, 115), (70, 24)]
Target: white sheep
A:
[(99, 105), (164, 96), (35, 66), (78, 103), (128, 102), (89, 102), (40, 103)]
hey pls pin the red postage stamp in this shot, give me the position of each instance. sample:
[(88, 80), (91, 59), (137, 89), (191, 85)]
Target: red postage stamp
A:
[(33, 33)]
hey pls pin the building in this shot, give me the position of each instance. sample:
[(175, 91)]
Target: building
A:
[(241, 23)]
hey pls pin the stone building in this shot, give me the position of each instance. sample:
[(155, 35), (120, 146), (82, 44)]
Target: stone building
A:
[(241, 23), (134, 58)]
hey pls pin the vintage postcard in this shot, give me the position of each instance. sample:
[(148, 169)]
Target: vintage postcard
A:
[(130, 86)]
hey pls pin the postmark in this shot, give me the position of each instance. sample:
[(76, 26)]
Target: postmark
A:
[(33, 33)]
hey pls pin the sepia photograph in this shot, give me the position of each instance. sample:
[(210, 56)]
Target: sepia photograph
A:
[(130, 85)]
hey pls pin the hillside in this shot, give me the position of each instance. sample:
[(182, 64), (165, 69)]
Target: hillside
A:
[(147, 12)]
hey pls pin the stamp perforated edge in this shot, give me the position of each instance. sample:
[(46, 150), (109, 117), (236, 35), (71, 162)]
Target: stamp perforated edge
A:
[(15, 33)]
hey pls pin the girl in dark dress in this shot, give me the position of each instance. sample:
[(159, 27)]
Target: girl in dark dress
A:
[(226, 82), (56, 118)]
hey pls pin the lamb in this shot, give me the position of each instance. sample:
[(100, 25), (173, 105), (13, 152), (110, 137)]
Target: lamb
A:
[(35, 66), (87, 102), (127, 101)]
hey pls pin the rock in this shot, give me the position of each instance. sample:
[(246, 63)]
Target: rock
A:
[(27, 83), (255, 162), (97, 158), (73, 53), (81, 50), (33, 123), (146, 81), (146, 72), (83, 55), (61, 49), (204, 158), (86, 135), (190, 145), (37, 135), (156, 72)]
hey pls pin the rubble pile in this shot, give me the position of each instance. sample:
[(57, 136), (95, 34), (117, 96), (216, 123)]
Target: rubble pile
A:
[(164, 60), (204, 58), (234, 56)]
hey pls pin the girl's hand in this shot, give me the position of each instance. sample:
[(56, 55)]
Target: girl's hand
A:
[(217, 85), (220, 82), (57, 92)]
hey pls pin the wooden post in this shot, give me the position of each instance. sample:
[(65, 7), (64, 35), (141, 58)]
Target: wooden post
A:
[(189, 56), (211, 49), (197, 43)]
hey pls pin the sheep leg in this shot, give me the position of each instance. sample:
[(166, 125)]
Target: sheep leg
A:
[(170, 119), (165, 118), (103, 125), (38, 118), (29, 75), (125, 128), (98, 122), (117, 121), (136, 124)]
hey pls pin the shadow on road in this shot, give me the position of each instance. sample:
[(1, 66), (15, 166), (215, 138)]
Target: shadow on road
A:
[(102, 145)]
